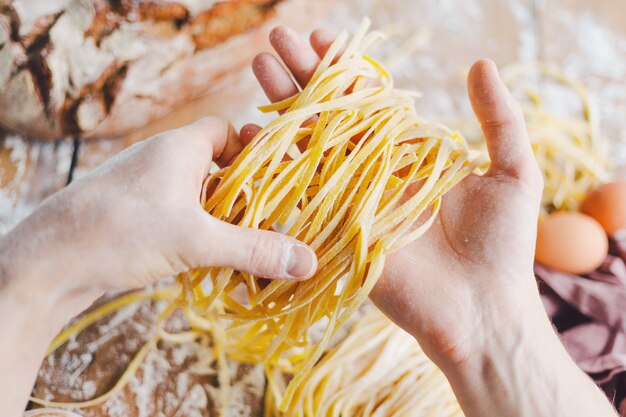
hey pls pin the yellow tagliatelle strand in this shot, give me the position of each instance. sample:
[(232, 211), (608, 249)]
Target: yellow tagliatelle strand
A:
[(129, 372), (108, 308), (568, 148), (200, 327), (377, 370), (343, 194), (94, 316)]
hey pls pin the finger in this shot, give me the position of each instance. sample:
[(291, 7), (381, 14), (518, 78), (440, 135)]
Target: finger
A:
[(297, 54), (275, 81), (232, 148), (261, 253), (321, 40), (209, 138), (248, 132), (501, 120), (273, 78)]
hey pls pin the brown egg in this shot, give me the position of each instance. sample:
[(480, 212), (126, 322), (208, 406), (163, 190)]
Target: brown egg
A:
[(571, 242), (607, 204)]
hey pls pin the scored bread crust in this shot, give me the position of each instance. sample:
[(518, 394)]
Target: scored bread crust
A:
[(50, 412), (174, 379), (100, 68)]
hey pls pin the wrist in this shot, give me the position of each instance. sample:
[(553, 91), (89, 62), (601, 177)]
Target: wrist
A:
[(32, 313), (519, 367), (504, 329), (501, 318), (36, 292)]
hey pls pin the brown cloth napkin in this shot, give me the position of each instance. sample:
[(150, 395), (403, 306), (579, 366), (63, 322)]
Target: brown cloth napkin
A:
[(590, 314)]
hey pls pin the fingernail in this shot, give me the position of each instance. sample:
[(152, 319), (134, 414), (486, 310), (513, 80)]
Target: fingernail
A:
[(302, 262)]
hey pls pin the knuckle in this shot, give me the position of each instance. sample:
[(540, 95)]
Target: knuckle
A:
[(498, 125), (201, 126), (529, 176), (538, 186), (533, 176), (174, 136), (264, 255), (194, 246), (161, 144), (208, 120)]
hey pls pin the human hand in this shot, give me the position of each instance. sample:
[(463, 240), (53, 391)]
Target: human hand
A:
[(138, 218), (472, 271), (134, 220), (466, 289), (477, 257)]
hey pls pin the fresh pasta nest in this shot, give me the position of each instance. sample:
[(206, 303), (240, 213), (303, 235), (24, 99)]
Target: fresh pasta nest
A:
[(377, 370), (334, 171)]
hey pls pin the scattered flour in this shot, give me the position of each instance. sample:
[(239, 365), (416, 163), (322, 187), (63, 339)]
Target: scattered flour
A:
[(29, 172), (587, 45), (153, 371)]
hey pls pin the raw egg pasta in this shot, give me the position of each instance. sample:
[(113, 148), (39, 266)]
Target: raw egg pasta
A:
[(206, 330), (377, 370), (568, 148)]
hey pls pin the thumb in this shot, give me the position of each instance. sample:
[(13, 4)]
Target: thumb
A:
[(501, 120), (261, 253)]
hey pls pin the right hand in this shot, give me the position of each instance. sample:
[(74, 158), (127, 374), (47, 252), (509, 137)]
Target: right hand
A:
[(472, 271), (466, 288)]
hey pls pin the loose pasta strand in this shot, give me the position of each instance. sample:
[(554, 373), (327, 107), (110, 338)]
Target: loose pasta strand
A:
[(569, 149), (200, 328), (376, 371)]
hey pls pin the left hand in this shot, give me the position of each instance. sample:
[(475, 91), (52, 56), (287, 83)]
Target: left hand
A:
[(134, 220), (138, 218)]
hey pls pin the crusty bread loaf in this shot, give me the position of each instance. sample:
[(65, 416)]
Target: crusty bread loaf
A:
[(94, 68)]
